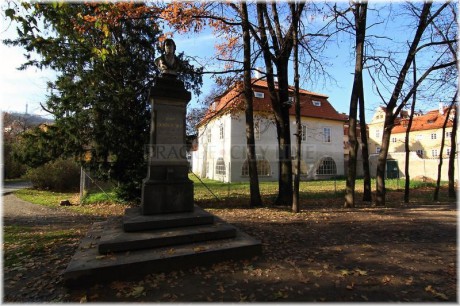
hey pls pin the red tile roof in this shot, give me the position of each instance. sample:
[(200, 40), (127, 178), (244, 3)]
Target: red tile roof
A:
[(430, 121), (233, 99)]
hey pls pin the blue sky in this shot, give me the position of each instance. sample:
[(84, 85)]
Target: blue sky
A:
[(21, 88)]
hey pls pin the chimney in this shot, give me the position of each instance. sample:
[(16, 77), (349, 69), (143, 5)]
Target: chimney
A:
[(259, 73), (441, 108)]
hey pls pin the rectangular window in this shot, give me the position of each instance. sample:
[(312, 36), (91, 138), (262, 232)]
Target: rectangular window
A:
[(377, 133), (257, 130), (316, 103), (221, 131), (433, 135), (208, 136), (258, 94), (394, 139), (419, 137), (420, 153), (326, 134), (377, 150), (220, 166), (448, 134), (304, 132), (434, 152), (448, 151)]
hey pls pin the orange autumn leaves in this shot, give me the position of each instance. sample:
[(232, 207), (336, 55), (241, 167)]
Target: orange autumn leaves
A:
[(181, 17)]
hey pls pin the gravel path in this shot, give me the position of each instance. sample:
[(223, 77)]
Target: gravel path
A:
[(18, 212), (15, 207)]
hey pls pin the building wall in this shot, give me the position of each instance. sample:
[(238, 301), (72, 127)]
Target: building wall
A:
[(233, 147), (418, 140), (428, 141), (376, 130), (418, 167), (213, 149)]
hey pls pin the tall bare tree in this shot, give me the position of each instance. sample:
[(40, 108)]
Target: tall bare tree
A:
[(360, 13), (425, 18), (250, 139), (453, 152), (441, 157), (295, 20), (406, 141)]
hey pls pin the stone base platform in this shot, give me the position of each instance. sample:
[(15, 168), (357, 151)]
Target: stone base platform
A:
[(114, 239), (109, 253), (134, 221)]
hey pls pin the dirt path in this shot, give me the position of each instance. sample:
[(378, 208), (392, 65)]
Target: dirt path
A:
[(15, 208), (321, 254)]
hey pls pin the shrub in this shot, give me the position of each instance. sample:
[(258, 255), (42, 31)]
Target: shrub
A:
[(12, 168), (59, 175)]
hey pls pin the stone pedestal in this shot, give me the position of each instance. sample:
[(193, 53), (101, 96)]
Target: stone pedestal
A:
[(167, 188), (167, 232)]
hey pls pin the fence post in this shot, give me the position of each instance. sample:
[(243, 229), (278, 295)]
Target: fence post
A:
[(82, 184)]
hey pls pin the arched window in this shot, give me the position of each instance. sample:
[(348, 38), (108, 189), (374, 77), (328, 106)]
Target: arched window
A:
[(220, 166), (326, 167), (263, 168)]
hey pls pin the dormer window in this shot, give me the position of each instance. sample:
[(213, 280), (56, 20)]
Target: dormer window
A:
[(316, 103), (259, 94)]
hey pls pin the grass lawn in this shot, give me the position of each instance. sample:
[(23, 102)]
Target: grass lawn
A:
[(215, 194)]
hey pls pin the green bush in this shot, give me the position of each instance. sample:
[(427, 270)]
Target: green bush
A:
[(59, 175), (12, 168)]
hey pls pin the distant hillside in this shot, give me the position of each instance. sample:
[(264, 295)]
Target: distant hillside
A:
[(31, 119)]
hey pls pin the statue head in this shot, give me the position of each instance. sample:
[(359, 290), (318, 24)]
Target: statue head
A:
[(169, 46)]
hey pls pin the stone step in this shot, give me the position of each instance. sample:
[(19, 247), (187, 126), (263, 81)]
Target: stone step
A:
[(87, 266), (133, 220), (114, 239)]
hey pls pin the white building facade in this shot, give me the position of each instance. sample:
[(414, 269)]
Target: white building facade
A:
[(221, 153)]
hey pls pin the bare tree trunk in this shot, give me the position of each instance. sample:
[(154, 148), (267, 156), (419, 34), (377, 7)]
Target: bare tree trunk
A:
[(280, 102), (406, 142), (367, 194), (296, 198), (443, 138), (453, 151), (250, 140), (389, 116), (359, 11)]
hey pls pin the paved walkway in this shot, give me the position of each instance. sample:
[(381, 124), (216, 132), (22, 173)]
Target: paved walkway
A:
[(15, 207), (8, 188), (18, 212)]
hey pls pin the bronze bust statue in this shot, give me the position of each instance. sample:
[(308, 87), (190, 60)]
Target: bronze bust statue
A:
[(168, 62)]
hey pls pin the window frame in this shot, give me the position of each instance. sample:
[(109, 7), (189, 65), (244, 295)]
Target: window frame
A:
[(221, 131), (330, 168), (325, 139), (304, 132), (220, 168), (259, 94), (257, 130)]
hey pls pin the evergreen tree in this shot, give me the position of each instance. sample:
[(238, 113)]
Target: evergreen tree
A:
[(100, 97)]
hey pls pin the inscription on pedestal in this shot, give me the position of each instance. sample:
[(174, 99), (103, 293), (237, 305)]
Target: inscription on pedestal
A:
[(167, 188)]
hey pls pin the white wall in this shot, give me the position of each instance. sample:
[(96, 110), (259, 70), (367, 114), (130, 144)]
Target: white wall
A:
[(418, 167), (233, 147)]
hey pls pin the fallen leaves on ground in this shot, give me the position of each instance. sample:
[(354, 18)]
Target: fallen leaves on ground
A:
[(322, 254)]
